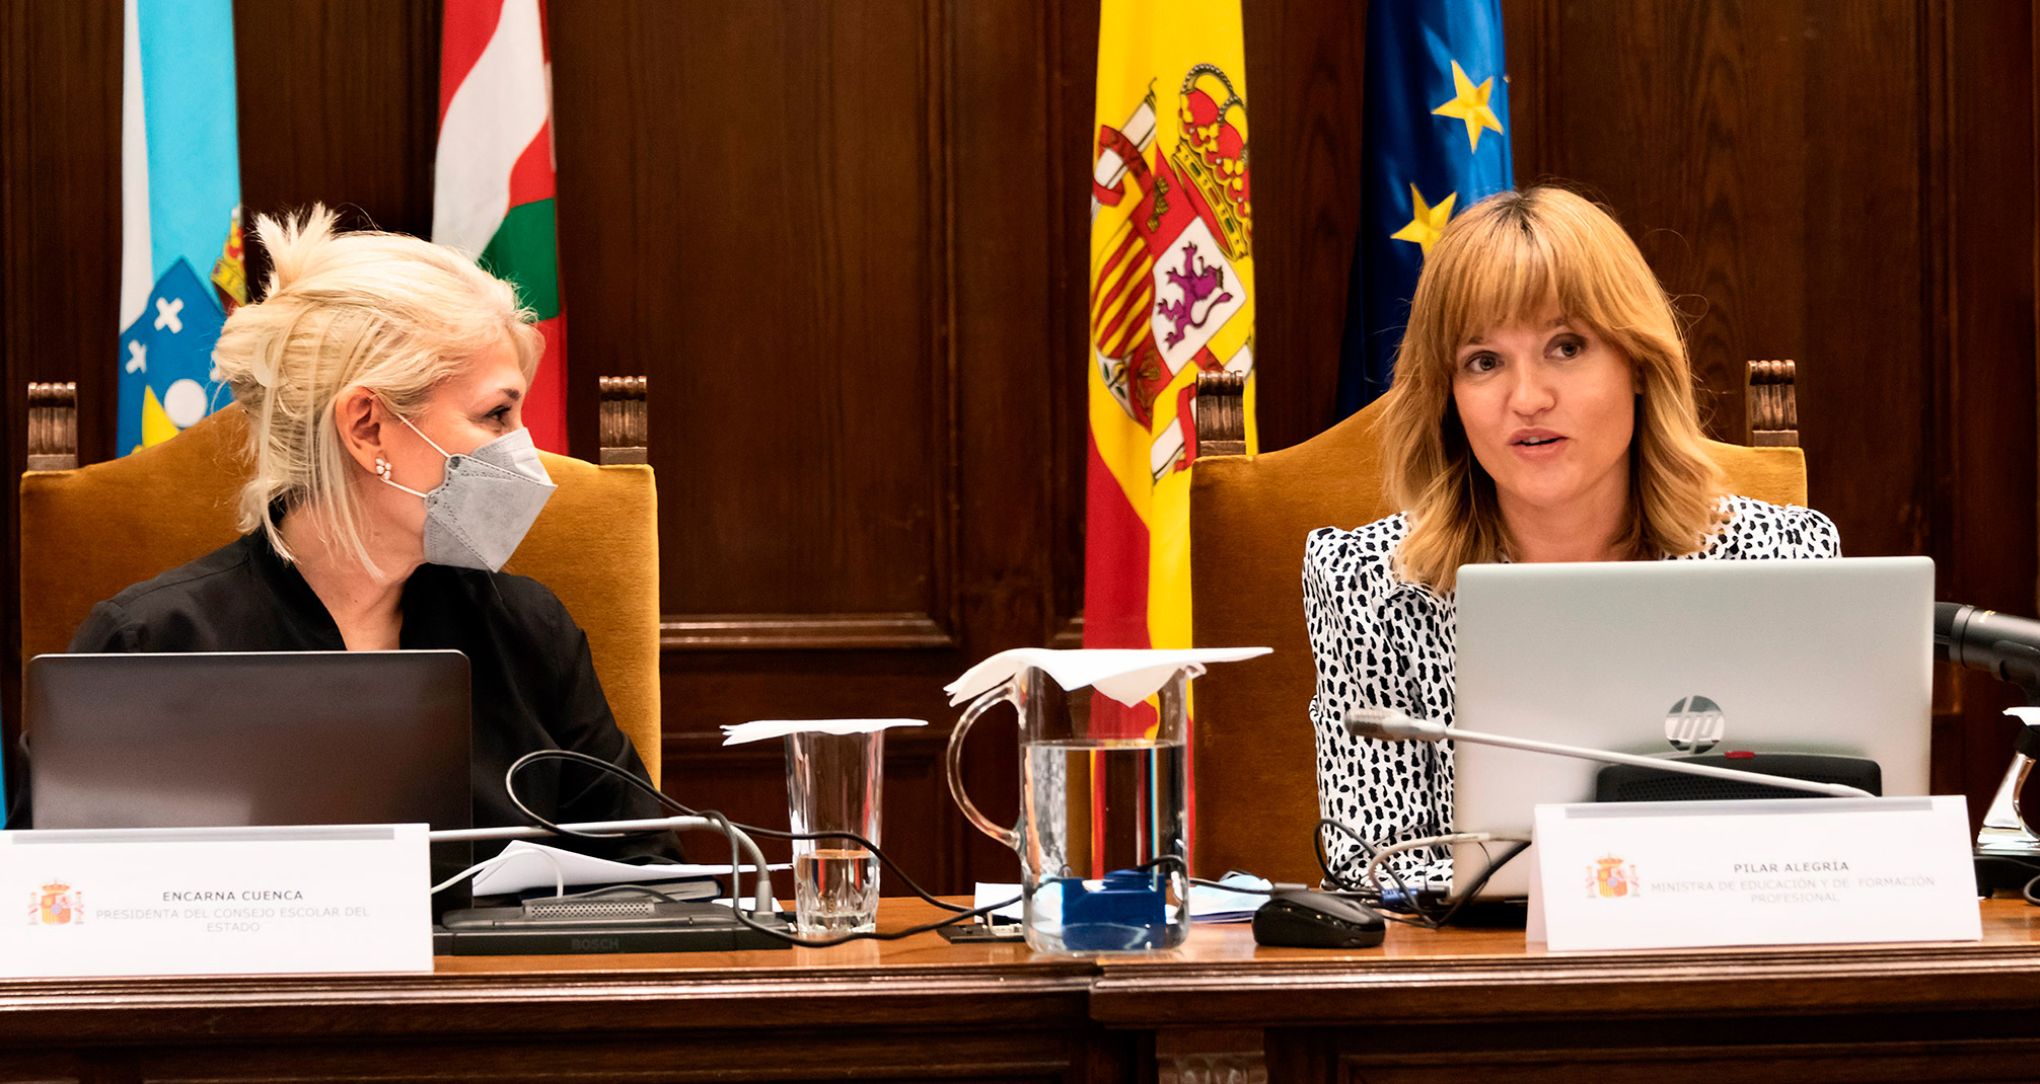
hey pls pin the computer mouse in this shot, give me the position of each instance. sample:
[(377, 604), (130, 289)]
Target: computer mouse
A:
[(1317, 920)]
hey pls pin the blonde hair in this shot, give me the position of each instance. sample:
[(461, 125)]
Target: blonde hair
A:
[(391, 313), (1507, 260)]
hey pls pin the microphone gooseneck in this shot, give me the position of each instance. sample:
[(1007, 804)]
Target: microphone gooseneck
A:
[(1388, 724)]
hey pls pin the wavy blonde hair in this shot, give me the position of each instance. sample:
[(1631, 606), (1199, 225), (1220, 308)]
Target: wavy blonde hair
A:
[(1508, 260), (391, 313)]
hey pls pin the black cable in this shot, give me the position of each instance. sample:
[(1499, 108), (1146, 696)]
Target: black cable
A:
[(2032, 891), (633, 891), (736, 873), (1368, 851), (1481, 881), (668, 801), (744, 918), (1425, 917), (1343, 886), (1369, 894)]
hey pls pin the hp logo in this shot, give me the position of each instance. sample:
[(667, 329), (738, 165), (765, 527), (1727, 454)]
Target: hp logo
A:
[(1695, 725)]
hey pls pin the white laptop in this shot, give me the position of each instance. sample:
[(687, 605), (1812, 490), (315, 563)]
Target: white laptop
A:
[(1799, 656)]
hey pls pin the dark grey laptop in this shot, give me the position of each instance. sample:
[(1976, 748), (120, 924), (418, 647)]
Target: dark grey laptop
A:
[(199, 739)]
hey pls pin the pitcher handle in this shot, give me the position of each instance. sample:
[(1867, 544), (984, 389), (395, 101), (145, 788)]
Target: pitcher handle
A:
[(1002, 695)]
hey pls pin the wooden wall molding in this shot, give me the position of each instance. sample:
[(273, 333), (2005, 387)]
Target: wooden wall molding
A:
[(52, 425), (938, 152), (1981, 184), (802, 632), (625, 434), (1770, 404)]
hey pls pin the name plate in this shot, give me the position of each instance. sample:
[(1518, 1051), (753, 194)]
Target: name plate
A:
[(216, 901), (1631, 875)]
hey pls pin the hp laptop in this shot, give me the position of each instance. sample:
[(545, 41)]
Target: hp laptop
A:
[(1672, 657)]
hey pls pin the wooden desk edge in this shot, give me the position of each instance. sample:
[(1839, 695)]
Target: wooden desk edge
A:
[(1190, 987), (1218, 977)]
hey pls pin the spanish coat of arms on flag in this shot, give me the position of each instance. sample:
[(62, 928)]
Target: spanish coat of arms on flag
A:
[(1172, 294)]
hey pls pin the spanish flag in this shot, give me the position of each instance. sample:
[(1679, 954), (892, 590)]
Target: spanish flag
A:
[(493, 185), (1172, 294)]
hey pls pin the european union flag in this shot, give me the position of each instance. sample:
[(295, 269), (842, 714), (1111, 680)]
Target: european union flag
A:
[(1435, 141)]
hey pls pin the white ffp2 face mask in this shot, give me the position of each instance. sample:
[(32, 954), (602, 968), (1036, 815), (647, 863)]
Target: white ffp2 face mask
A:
[(488, 501)]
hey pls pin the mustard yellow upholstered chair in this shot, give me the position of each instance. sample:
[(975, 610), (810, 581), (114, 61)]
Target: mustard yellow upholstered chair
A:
[(1254, 753), (88, 532)]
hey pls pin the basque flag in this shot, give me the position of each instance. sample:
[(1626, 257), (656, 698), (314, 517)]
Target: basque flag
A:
[(1435, 141), (493, 186)]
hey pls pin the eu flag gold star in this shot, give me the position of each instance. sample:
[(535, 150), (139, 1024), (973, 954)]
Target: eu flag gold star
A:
[(1427, 223), (1470, 104)]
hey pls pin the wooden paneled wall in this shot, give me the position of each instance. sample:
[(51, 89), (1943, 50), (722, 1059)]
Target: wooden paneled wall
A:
[(846, 242), (1851, 185)]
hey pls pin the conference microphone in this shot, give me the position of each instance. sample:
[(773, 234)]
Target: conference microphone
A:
[(2006, 647), (1388, 724)]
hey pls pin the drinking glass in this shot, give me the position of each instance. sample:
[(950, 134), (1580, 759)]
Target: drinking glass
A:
[(834, 784)]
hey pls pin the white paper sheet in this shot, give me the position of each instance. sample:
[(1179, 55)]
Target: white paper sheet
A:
[(1230, 904), (1128, 676), (761, 729), (990, 893), (533, 865)]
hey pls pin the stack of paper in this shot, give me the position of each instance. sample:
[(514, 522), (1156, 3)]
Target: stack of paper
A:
[(526, 865)]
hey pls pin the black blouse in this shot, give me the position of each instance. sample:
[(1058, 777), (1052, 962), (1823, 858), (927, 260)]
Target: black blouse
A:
[(533, 681)]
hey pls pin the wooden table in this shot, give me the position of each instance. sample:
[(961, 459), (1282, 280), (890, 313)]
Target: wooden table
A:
[(1479, 1004), (1453, 1005)]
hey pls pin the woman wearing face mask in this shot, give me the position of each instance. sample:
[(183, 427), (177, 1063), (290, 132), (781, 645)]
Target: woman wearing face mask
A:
[(1542, 410), (384, 378)]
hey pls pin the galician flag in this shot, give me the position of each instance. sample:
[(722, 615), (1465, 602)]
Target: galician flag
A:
[(1172, 294), (493, 192), (180, 196)]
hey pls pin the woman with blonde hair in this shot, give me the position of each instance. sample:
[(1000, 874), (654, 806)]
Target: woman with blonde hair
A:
[(1542, 410), (383, 378)]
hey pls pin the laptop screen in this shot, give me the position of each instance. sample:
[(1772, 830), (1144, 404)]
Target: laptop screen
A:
[(200, 739), (1670, 657)]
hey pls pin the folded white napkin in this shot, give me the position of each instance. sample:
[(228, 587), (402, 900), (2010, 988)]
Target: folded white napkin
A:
[(760, 729), (1126, 675)]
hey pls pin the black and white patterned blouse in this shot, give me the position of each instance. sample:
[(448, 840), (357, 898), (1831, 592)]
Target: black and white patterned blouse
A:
[(1381, 641)]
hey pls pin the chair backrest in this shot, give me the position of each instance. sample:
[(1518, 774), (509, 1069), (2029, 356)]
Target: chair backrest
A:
[(1253, 751), (89, 532)]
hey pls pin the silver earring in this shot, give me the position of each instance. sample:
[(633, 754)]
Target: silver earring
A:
[(382, 468)]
